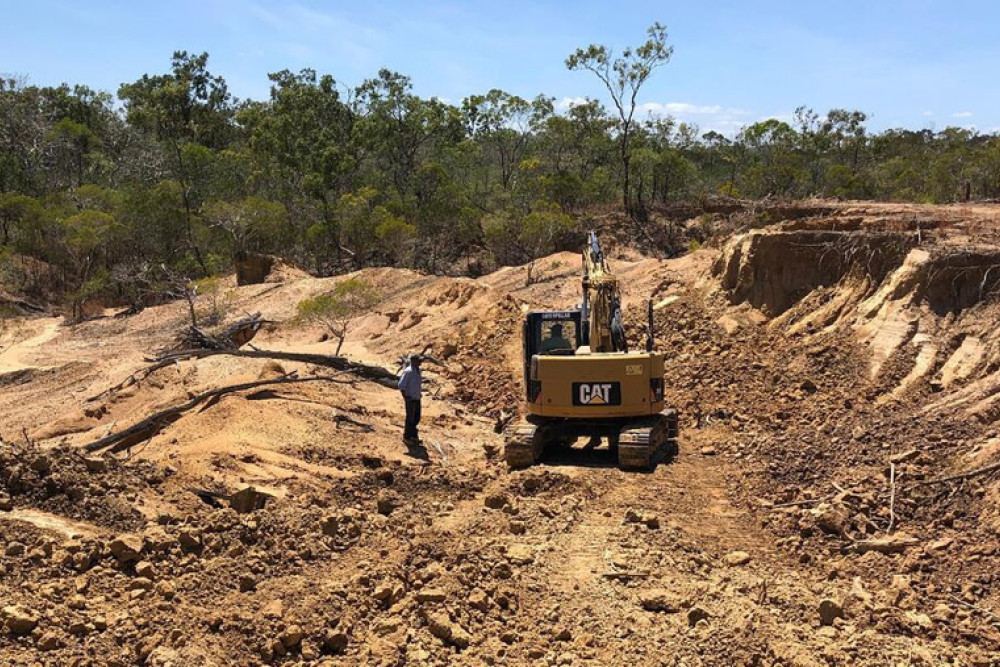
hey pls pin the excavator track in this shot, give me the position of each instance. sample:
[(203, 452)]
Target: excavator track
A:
[(524, 443), (643, 442)]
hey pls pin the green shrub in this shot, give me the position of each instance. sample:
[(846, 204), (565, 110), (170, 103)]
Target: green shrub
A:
[(335, 309)]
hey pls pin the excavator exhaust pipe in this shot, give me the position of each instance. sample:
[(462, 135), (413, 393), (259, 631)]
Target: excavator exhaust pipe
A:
[(650, 343)]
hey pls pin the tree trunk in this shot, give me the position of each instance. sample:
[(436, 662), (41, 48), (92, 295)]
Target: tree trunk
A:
[(150, 426), (187, 210), (625, 187), (189, 296), (625, 166)]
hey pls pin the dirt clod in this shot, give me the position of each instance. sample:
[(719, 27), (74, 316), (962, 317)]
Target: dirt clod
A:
[(829, 611)]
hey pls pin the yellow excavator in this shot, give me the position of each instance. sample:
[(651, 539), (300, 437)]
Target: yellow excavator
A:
[(581, 380)]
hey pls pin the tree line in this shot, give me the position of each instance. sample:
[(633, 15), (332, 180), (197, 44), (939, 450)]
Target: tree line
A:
[(122, 196)]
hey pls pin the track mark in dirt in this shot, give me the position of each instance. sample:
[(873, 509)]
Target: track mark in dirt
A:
[(586, 552), (704, 509), (687, 494)]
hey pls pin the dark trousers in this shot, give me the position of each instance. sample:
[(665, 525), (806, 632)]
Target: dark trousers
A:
[(412, 419)]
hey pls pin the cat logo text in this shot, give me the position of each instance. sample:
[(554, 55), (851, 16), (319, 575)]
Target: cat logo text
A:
[(597, 393)]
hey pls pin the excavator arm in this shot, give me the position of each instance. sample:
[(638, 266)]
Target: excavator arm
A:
[(602, 309)]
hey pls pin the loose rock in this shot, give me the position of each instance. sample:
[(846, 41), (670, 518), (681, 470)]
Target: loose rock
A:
[(19, 621), (736, 558), (829, 611)]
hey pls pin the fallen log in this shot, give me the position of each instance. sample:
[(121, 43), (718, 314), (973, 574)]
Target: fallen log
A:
[(153, 424), (637, 574), (134, 309), (244, 501), (242, 331), (21, 305), (800, 503), (377, 374), (194, 337)]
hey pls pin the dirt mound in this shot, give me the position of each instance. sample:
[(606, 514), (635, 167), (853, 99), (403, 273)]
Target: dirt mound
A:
[(857, 409), (897, 291)]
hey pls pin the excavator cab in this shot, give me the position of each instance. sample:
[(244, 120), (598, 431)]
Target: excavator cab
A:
[(550, 332), (553, 332)]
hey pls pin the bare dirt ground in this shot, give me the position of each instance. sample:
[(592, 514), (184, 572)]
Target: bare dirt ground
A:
[(836, 367)]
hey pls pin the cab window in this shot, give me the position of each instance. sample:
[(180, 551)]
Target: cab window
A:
[(557, 337)]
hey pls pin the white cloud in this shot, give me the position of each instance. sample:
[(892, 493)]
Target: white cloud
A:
[(677, 108), (962, 114), (708, 117), (306, 34), (927, 114), (728, 121), (570, 102), (712, 115), (295, 17)]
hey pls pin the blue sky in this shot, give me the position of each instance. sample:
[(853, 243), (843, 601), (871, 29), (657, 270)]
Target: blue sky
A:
[(916, 64)]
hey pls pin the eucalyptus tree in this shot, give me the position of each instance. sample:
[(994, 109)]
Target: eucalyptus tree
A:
[(398, 130), (624, 76), (505, 122), (190, 111)]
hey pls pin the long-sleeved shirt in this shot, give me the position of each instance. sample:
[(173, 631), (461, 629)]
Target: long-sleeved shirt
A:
[(411, 384)]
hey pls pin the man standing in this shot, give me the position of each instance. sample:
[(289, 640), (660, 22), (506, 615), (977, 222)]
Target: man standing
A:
[(410, 385)]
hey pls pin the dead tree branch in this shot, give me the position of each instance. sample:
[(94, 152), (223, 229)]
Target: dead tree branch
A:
[(965, 475), (377, 374), (133, 378), (344, 419)]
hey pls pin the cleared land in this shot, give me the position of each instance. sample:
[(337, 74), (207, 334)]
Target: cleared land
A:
[(833, 502)]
